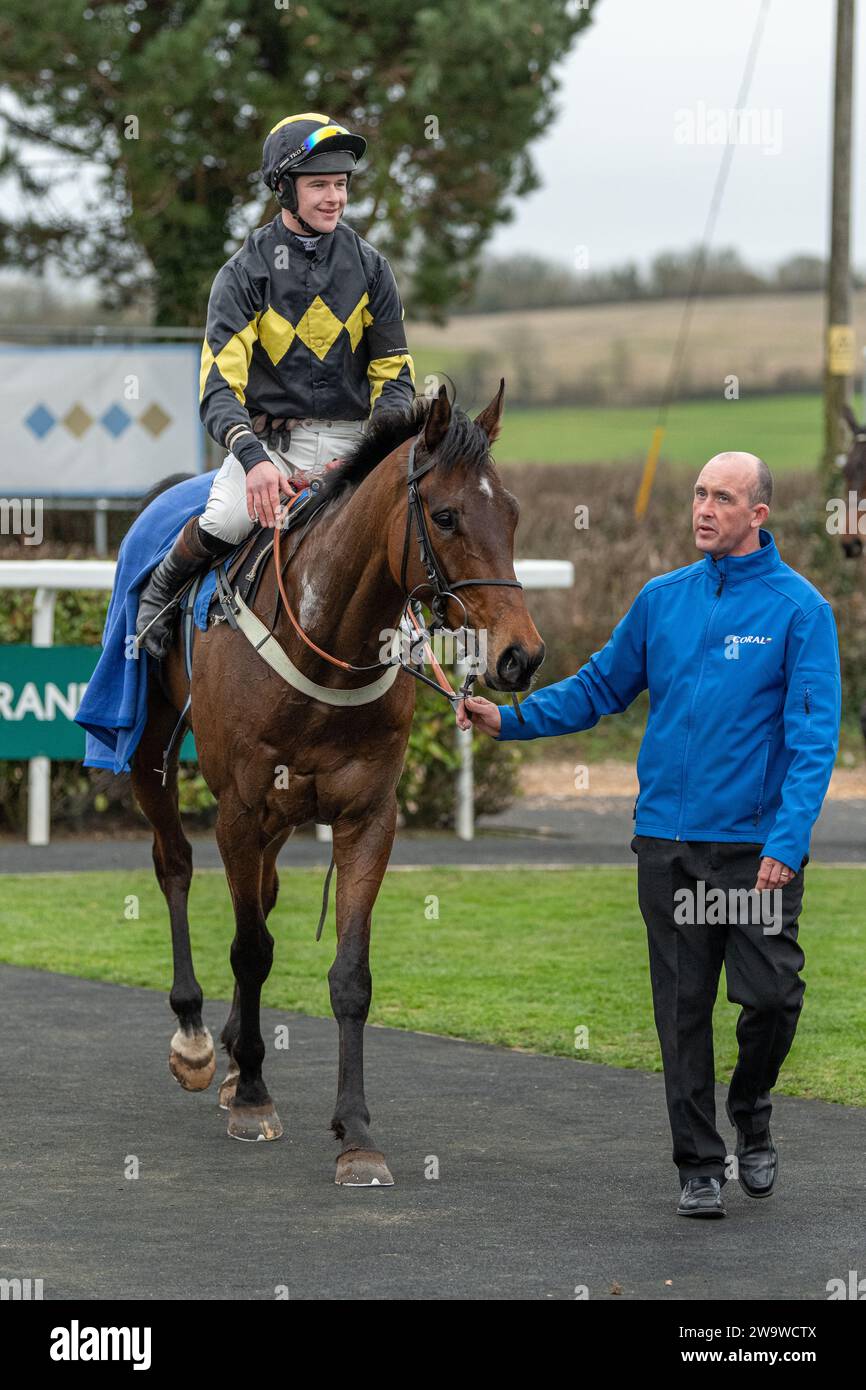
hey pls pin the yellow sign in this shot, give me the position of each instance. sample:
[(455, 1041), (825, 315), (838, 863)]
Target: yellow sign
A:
[(840, 350)]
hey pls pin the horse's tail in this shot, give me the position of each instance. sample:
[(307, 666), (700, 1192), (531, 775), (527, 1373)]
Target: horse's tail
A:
[(163, 486)]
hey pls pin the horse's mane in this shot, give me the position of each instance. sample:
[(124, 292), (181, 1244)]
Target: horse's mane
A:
[(464, 442)]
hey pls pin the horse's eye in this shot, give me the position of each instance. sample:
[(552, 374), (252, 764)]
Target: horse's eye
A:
[(446, 521)]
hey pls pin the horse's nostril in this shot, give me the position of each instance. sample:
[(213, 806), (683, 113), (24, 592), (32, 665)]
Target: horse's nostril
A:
[(509, 667)]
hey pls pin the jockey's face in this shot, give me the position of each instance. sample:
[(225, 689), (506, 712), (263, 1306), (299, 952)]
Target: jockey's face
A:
[(321, 199)]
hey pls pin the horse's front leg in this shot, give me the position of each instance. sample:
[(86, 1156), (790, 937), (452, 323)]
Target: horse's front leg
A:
[(361, 852)]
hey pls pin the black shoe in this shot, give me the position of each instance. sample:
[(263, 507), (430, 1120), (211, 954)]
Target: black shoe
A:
[(757, 1162), (191, 552), (701, 1197)]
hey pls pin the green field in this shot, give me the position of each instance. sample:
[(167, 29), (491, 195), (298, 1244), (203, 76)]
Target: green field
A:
[(786, 431), (517, 958)]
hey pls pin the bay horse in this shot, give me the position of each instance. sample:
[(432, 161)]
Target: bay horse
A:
[(854, 474), (275, 758)]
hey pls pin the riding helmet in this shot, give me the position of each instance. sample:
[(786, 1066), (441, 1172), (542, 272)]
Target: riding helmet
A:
[(307, 144)]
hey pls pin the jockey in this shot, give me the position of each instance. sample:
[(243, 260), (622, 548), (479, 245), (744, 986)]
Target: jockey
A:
[(304, 342)]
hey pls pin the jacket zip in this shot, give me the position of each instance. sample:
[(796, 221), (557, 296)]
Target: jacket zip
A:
[(694, 697), (760, 809)]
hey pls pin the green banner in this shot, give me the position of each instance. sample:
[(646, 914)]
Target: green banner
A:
[(40, 691)]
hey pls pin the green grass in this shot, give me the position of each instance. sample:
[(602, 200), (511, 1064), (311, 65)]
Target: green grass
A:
[(515, 958), (786, 431)]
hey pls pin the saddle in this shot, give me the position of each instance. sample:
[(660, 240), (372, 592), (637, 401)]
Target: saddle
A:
[(243, 566), (241, 570)]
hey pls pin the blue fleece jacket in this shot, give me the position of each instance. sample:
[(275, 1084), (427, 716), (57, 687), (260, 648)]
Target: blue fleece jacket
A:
[(741, 661)]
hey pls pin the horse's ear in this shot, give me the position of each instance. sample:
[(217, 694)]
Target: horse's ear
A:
[(491, 416), (848, 416), (438, 421)]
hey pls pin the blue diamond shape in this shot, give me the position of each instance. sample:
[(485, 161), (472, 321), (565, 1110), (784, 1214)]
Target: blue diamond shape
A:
[(116, 421), (40, 421)]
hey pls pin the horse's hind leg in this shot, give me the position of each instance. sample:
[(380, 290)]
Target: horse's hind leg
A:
[(191, 1055), (251, 1111), (270, 888)]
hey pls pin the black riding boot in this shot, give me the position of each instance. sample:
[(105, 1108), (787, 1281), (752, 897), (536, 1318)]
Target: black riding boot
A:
[(192, 550)]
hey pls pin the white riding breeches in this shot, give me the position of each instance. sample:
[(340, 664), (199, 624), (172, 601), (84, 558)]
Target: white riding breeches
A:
[(312, 444)]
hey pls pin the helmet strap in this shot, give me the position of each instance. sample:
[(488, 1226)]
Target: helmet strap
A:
[(307, 227)]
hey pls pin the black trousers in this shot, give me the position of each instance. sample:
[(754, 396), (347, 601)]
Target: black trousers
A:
[(762, 970)]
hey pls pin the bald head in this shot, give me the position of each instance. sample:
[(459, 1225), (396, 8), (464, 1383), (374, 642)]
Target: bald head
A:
[(744, 472), (731, 503)]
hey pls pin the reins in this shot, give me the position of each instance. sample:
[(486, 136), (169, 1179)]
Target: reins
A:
[(436, 580)]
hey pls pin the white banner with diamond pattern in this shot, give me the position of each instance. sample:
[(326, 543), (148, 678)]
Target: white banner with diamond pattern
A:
[(97, 422)]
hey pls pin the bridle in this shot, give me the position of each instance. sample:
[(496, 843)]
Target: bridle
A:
[(436, 580)]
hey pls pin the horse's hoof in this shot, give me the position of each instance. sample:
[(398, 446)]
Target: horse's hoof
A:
[(254, 1122), (191, 1059), (228, 1086), (363, 1168)]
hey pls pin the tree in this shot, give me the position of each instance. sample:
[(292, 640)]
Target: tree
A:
[(170, 100), (803, 272)]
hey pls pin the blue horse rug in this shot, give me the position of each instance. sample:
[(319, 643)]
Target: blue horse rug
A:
[(114, 708)]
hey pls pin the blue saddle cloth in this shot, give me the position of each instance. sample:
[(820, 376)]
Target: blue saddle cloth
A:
[(114, 708)]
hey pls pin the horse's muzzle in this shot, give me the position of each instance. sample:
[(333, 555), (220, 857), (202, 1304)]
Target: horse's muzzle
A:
[(515, 668)]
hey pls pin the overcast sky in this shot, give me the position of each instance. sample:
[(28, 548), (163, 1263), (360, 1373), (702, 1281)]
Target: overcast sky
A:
[(615, 179)]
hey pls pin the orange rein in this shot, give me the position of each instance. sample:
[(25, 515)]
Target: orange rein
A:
[(447, 688)]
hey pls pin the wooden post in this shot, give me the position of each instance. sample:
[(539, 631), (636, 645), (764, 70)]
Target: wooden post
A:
[(839, 364)]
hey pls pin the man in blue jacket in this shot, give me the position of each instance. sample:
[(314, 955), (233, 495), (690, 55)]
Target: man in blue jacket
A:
[(740, 657)]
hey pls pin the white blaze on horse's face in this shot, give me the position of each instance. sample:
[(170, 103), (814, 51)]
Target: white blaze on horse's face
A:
[(484, 486)]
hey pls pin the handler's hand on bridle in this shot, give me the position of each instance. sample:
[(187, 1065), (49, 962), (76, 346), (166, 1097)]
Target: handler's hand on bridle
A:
[(477, 713), (265, 482), (773, 874)]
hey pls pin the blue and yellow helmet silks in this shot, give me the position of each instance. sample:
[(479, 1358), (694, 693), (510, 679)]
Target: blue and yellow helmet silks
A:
[(309, 143)]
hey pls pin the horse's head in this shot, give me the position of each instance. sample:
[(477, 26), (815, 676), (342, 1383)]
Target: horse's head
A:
[(470, 519), (854, 474)]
